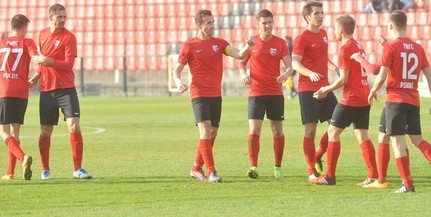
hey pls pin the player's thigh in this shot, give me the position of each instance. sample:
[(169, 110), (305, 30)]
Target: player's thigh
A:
[(69, 102), (48, 109), (396, 119), (275, 108), (326, 107), (308, 107), (12, 110), (256, 107), (342, 116), (413, 121)]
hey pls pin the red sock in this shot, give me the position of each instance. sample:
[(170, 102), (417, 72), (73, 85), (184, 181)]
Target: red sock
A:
[(369, 155), (207, 154), (278, 150), (310, 154), (14, 147), (253, 149), (383, 157), (425, 148), (199, 161), (44, 146), (404, 171), (77, 145), (11, 162), (323, 145), (334, 149)]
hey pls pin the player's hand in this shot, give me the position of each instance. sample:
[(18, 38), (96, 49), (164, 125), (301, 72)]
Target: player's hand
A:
[(320, 94), (246, 79), (357, 57), (372, 97), (382, 40), (315, 76), (250, 41), (282, 78), (183, 88), (33, 80)]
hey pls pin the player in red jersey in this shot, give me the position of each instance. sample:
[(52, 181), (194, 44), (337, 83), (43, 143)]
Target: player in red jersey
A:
[(57, 89), (402, 62), (204, 55), (265, 90), (15, 56), (310, 59), (353, 106)]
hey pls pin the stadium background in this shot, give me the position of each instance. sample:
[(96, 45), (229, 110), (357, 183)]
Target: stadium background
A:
[(125, 46)]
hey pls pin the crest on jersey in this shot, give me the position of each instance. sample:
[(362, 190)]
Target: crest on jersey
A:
[(216, 48), (56, 43), (325, 39), (273, 51)]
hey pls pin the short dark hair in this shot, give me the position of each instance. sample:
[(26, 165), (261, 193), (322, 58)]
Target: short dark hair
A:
[(307, 10), (264, 13), (398, 19), (19, 21), (199, 18), (347, 23), (54, 9)]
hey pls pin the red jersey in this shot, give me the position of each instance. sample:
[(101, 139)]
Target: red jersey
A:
[(405, 60), (313, 47), (205, 60), (15, 57), (356, 90), (265, 59), (59, 46)]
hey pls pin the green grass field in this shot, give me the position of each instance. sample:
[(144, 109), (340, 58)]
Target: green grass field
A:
[(141, 162)]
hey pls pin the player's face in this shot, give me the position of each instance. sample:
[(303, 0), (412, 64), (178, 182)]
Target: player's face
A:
[(265, 25), (58, 20), (316, 17), (207, 27), (337, 31)]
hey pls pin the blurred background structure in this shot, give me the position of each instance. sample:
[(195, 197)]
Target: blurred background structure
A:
[(127, 47)]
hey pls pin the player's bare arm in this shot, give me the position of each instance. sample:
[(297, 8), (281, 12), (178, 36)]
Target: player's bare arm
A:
[(378, 83), (369, 67), (240, 53), (288, 72), (245, 77), (339, 82), (299, 67), (177, 78), (333, 67)]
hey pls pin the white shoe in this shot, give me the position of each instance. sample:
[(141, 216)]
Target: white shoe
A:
[(46, 175), (81, 174)]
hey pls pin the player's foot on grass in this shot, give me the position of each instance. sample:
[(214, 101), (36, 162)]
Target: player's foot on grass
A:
[(278, 173), (252, 172), (26, 167), (46, 175), (314, 175), (198, 175), (319, 166), (323, 180), (81, 174), (376, 184), (214, 177), (367, 181), (8, 177), (403, 189)]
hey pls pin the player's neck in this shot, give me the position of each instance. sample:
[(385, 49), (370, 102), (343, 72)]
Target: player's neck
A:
[(54, 30), (265, 37), (202, 36), (346, 38), (314, 29)]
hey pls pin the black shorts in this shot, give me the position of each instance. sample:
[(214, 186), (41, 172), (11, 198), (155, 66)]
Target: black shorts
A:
[(50, 102), (343, 116), (313, 110), (12, 110), (207, 108), (401, 119), (272, 105)]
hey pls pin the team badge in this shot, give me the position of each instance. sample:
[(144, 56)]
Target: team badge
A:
[(273, 51), (56, 43), (215, 48), (325, 40)]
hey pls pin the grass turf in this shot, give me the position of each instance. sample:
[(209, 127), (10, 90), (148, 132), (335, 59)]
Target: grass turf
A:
[(140, 150)]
